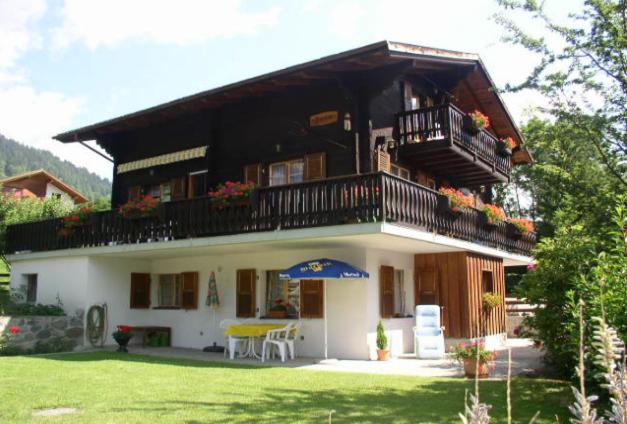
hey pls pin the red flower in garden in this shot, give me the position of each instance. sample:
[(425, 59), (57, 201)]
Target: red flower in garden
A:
[(124, 328), (14, 330)]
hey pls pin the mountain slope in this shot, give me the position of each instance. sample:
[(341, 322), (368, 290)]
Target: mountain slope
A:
[(16, 158)]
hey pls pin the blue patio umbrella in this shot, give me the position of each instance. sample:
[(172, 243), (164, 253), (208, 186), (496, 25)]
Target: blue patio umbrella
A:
[(323, 268)]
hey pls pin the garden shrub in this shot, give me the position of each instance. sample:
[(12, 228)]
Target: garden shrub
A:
[(30, 309)]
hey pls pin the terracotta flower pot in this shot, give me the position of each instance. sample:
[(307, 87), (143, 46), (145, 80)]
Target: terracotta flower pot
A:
[(383, 354), (470, 368)]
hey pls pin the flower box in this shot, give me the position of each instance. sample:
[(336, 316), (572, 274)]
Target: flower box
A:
[(485, 222), (145, 207), (503, 149), (513, 231), (445, 207), (476, 121)]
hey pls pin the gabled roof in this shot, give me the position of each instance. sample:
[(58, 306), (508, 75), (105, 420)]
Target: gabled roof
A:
[(329, 67), (76, 195)]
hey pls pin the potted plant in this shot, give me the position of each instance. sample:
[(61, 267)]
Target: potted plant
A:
[(453, 201), (383, 353), (144, 207), (505, 145), (232, 193), (122, 336), (468, 354), (279, 310), (516, 227), (75, 219), (475, 122), (491, 300), (491, 215)]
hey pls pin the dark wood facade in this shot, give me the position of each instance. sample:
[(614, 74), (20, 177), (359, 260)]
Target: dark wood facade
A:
[(457, 281)]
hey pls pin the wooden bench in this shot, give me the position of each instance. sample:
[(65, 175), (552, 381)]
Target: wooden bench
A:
[(146, 330)]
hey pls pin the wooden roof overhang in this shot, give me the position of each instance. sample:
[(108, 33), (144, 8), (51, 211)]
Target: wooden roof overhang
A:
[(46, 177), (422, 60)]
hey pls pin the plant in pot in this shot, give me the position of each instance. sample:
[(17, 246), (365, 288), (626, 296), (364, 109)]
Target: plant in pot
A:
[(232, 194), (144, 207), (491, 300), (518, 226), (468, 354), (454, 201), (122, 336), (383, 353), (279, 310), (492, 215), (505, 146), (475, 122)]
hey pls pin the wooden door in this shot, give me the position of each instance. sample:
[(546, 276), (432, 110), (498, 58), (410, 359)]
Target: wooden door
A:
[(246, 296), (386, 291)]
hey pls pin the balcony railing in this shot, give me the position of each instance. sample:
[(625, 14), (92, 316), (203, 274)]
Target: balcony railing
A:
[(378, 197), (446, 124)]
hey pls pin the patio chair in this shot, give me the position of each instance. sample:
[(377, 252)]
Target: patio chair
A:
[(428, 334), (276, 339), (224, 324), (292, 335)]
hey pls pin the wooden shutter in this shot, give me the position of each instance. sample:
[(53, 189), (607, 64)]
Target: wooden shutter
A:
[(189, 297), (312, 298), (252, 173), (427, 290), (383, 161), (140, 290), (246, 293), (386, 284), (178, 188), (134, 192), (315, 166)]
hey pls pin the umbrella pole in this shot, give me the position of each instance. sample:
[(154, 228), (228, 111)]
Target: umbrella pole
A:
[(326, 346)]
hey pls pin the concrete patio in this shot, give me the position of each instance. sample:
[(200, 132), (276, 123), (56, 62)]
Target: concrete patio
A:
[(526, 360)]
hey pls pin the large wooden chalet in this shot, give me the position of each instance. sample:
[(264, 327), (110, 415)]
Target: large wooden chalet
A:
[(348, 153)]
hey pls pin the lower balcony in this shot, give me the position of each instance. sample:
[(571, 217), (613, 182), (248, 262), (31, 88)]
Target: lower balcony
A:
[(377, 197), (439, 138)]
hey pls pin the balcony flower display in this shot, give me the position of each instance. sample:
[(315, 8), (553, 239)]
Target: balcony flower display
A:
[(143, 207), (231, 193), (78, 217), (468, 353), (476, 121), (494, 214), (505, 145), (458, 200), (523, 225)]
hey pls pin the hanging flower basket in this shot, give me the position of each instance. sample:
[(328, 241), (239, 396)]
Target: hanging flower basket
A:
[(476, 121)]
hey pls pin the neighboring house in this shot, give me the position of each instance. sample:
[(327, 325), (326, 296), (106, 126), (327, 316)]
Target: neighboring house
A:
[(349, 152), (40, 183)]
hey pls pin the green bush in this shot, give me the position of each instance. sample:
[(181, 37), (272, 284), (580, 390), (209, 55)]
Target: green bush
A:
[(30, 309), (52, 345), (382, 340)]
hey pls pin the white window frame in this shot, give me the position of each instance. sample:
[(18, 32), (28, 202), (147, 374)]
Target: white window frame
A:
[(399, 171), (288, 171)]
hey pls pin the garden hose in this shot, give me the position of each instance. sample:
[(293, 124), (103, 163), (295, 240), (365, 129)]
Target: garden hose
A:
[(97, 325)]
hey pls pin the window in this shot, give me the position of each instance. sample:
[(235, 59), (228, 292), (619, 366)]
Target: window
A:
[(287, 291), (399, 171), (252, 174), (312, 298), (287, 172), (392, 292), (197, 184), (487, 282), (140, 291), (245, 298), (399, 292), (166, 192), (169, 293), (31, 288)]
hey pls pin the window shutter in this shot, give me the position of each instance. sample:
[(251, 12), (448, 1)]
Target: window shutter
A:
[(189, 298), (428, 287), (140, 291), (178, 188), (312, 298), (252, 174), (386, 284), (315, 166), (246, 293), (383, 161), (134, 192)]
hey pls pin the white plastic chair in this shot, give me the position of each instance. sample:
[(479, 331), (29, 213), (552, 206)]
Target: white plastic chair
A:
[(428, 334), (229, 343), (292, 335), (276, 339)]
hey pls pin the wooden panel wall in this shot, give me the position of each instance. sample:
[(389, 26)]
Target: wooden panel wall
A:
[(459, 288)]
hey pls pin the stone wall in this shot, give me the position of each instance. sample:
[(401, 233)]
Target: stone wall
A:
[(42, 328)]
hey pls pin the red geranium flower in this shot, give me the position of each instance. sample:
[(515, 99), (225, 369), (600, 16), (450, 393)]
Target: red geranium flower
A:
[(124, 328), (14, 330)]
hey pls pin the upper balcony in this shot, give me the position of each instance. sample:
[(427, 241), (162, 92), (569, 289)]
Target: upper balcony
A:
[(377, 197), (440, 138)]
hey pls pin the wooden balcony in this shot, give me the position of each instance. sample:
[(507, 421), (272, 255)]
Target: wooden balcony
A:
[(437, 140), (378, 197)]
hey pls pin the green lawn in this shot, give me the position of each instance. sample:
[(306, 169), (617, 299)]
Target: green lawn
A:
[(118, 388)]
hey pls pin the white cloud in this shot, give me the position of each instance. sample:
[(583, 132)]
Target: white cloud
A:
[(108, 23)]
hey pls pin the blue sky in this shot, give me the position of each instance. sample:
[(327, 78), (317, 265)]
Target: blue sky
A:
[(64, 64)]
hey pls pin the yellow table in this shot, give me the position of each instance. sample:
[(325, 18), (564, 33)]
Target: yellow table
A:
[(251, 331)]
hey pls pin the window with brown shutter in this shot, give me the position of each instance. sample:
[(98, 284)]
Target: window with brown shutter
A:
[(315, 166), (140, 291), (252, 173), (245, 303), (189, 298), (386, 296), (178, 188), (312, 298), (134, 192)]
